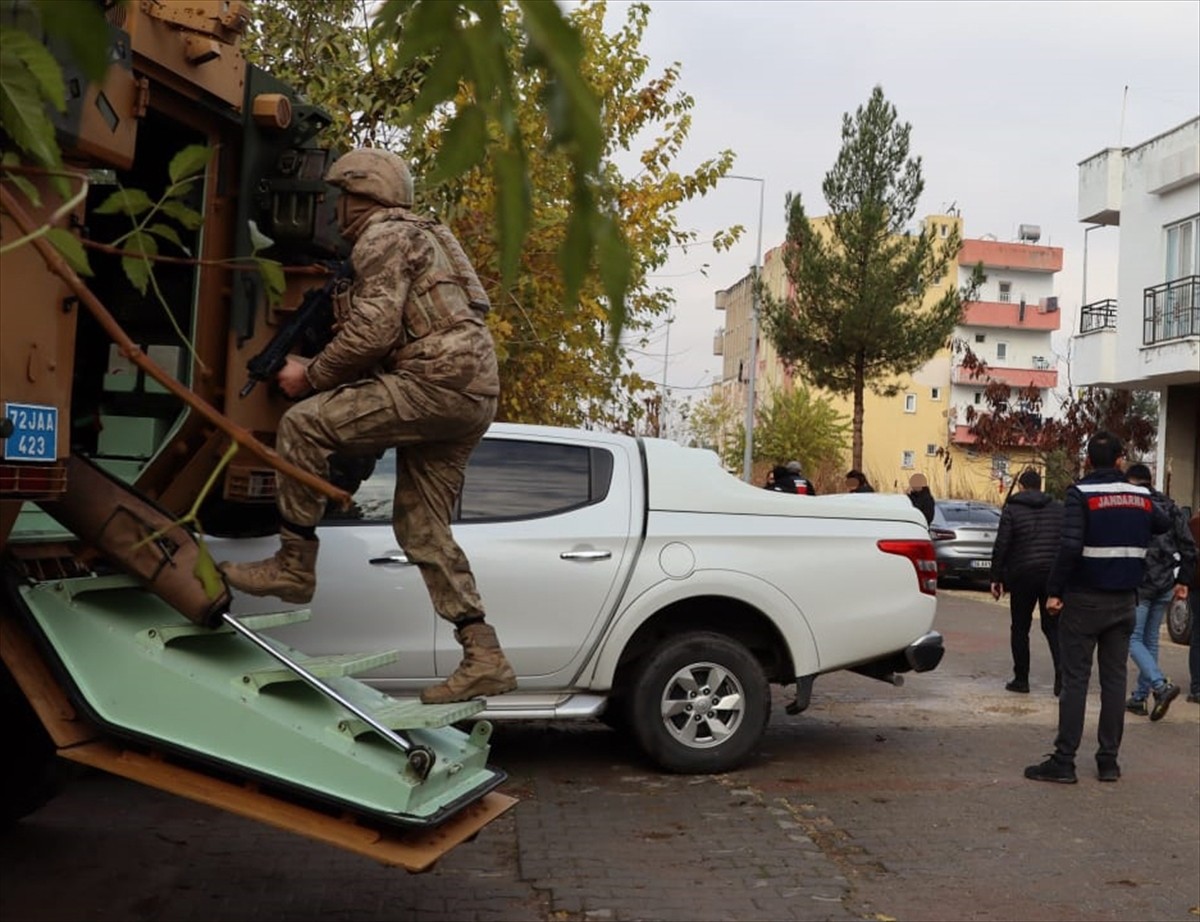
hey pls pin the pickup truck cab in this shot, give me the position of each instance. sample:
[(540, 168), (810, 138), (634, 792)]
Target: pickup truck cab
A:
[(634, 580)]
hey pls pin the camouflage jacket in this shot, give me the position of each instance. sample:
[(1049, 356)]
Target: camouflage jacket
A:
[(408, 311)]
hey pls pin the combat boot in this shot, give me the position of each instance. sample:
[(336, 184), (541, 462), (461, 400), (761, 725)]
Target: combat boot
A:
[(289, 575), (484, 669)]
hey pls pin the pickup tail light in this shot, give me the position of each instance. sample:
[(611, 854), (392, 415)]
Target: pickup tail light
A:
[(924, 561), (942, 534)]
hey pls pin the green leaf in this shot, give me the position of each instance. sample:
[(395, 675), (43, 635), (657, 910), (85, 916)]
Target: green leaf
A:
[(20, 49), (441, 83), (463, 146), (166, 232), (27, 188), (575, 253), (71, 249), (82, 27), (23, 111), (134, 262), (512, 209), (613, 260), (206, 571), (259, 240), (420, 27), (189, 218), (273, 279), (189, 161), (132, 202)]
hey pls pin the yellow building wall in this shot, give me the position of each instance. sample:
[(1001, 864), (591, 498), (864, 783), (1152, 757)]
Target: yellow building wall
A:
[(914, 420)]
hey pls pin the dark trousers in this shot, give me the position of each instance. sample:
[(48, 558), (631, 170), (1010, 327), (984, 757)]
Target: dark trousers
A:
[(1023, 595), (1099, 623)]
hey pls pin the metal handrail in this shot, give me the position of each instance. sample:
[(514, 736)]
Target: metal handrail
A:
[(1099, 315), (1171, 310)]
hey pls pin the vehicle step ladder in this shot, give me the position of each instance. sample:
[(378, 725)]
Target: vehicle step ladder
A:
[(386, 720)]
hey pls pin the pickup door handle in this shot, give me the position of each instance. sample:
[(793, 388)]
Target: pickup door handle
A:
[(585, 555), (399, 558)]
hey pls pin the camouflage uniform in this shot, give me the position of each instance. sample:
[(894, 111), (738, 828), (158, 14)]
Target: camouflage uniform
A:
[(412, 366), (430, 391)]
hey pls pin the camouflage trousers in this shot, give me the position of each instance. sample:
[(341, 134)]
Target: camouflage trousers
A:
[(433, 431)]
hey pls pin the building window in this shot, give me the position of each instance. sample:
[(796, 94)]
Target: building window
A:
[(1005, 292), (999, 465), (910, 403), (978, 398), (1183, 250), (1040, 363), (980, 338), (935, 393), (944, 230), (1001, 352), (907, 459), (931, 449)]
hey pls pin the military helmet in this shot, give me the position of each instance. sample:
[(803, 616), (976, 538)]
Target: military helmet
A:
[(376, 174)]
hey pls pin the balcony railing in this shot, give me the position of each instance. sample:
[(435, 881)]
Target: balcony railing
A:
[(1099, 315), (1171, 310)]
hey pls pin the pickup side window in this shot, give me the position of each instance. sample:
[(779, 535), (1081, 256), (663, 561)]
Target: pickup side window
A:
[(509, 479), (505, 479)]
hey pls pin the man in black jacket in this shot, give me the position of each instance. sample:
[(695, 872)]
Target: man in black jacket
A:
[(1107, 525), (1026, 544)]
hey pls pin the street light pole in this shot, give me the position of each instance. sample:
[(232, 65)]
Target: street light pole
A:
[(748, 456)]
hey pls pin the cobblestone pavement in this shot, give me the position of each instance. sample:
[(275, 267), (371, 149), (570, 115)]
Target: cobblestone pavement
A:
[(877, 803)]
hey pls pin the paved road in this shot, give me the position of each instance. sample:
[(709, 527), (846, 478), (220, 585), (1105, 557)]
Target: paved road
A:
[(878, 803)]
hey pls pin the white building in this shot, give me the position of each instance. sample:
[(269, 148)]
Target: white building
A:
[(1148, 337)]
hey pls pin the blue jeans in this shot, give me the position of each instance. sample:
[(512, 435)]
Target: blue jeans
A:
[(1143, 645), (1194, 649)]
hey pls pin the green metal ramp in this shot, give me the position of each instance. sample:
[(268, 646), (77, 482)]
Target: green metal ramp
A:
[(142, 671)]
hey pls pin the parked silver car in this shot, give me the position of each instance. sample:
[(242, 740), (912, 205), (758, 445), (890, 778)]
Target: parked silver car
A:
[(963, 533)]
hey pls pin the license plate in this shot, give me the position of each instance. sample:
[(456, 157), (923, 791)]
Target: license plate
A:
[(34, 435), (980, 564)]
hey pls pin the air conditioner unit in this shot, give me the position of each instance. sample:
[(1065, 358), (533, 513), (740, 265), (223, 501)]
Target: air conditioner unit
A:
[(1048, 305)]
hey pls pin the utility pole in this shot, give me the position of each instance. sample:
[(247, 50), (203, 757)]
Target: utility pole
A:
[(748, 456)]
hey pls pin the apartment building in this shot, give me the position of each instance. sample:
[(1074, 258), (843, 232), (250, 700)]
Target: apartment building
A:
[(923, 428), (1147, 337), (1009, 326)]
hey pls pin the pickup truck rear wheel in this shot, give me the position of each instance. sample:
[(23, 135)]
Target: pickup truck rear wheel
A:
[(699, 704)]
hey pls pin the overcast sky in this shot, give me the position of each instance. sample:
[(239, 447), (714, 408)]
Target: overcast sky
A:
[(1005, 100)]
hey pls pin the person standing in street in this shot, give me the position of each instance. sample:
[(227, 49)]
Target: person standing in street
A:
[(921, 497), (1027, 542), (1107, 526), (802, 484), (411, 366), (1194, 603), (856, 482), (1170, 560)]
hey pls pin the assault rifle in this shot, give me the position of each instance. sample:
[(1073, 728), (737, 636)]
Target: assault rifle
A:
[(308, 326)]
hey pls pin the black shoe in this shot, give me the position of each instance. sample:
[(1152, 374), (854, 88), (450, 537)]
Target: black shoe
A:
[(1137, 706), (1052, 770), (1194, 697), (1018, 685), (1108, 770), (1163, 699)]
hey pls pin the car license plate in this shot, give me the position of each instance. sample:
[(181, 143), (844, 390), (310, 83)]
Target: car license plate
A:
[(34, 435), (980, 564)]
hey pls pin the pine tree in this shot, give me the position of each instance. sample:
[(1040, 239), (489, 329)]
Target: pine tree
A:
[(856, 314)]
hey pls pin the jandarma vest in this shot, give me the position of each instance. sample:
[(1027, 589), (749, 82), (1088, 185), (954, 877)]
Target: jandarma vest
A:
[(1116, 534)]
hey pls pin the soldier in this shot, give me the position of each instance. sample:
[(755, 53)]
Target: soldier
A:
[(410, 366)]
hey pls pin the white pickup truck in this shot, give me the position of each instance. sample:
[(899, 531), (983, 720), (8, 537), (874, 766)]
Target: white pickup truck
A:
[(634, 580)]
